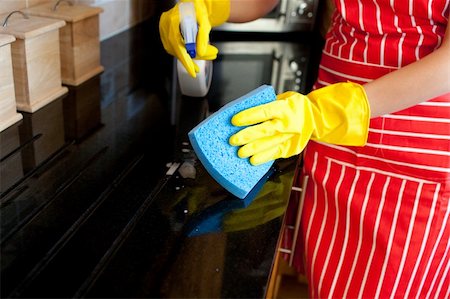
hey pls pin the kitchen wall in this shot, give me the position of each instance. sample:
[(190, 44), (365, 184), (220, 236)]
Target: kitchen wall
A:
[(118, 15)]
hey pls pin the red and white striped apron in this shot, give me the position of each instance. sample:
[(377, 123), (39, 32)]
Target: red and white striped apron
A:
[(374, 220)]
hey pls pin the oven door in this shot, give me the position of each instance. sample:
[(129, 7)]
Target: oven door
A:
[(244, 66), (287, 16)]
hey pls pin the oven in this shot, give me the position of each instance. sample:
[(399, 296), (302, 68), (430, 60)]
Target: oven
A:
[(243, 66), (287, 16)]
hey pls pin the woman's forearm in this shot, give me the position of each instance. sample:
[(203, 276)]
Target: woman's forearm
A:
[(248, 10), (415, 83), (403, 88)]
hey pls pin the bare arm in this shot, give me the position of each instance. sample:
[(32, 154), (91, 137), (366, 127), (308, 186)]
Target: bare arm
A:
[(248, 10), (417, 82)]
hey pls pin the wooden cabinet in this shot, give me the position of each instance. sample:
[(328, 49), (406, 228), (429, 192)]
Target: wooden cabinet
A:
[(8, 113), (35, 60), (79, 39)]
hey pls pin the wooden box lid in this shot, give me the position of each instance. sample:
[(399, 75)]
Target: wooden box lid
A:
[(6, 39), (68, 12), (31, 26)]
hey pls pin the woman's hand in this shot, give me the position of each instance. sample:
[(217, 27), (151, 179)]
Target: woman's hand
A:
[(337, 114), (209, 13)]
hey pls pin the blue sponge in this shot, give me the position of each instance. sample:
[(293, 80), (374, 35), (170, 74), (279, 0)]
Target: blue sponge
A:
[(210, 142)]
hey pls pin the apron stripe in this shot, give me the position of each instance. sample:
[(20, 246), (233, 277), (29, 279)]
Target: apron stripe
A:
[(408, 240), (375, 232), (441, 264), (439, 239), (411, 134), (313, 213), (391, 238), (360, 18), (361, 226), (335, 226), (446, 283), (346, 238), (424, 242), (322, 226), (437, 166)]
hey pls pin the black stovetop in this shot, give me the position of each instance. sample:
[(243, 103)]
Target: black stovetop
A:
[(102, 196)]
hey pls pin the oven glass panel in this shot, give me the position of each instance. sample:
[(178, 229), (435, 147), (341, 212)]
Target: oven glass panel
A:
[(236, 75)]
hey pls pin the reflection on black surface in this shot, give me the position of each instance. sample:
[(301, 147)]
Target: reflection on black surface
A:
[(211, 219), (233, 245), (35, 139), (82, 113), (11, 168), (43, 132)]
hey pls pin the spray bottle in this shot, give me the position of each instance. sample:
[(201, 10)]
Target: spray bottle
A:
[(199, 86)]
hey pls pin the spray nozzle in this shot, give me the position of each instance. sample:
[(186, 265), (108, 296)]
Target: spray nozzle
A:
[(188, 26)]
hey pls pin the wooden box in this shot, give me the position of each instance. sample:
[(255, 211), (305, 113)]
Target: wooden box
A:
[(35, 58), (79, 39), (8, 112)]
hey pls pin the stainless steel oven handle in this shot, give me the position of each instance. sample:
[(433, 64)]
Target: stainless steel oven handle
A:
[(276, 73), (283, 6)]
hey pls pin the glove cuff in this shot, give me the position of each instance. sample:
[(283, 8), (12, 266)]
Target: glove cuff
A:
[(218, 11), (343, 112)]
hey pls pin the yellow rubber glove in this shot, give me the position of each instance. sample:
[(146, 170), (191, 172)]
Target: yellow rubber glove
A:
[(337, 114), (209, 13)]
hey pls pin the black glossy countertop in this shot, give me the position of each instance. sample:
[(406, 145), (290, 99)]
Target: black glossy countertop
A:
[(102, 196)]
